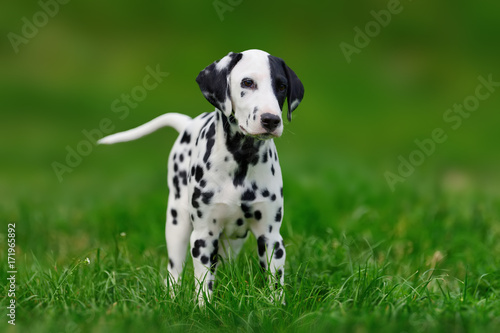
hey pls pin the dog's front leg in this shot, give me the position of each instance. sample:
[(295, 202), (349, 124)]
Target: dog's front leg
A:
[(204, 250), (272, 252), (272, 256)]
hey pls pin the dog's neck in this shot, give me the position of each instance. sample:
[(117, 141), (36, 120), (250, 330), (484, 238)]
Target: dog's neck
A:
[(245, 150)]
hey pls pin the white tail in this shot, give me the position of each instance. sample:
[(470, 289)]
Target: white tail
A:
[(176, 120)]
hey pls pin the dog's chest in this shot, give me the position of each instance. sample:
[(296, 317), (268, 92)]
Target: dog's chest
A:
[(215, 170), (227, 178)]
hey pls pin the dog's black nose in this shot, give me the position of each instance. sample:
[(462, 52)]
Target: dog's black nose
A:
[(270, 121)]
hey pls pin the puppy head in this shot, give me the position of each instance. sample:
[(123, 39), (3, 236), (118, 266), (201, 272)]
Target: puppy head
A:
[(253, 87)]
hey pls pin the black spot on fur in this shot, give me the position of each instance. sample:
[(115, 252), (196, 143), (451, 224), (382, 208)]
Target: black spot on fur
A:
[(273, 197), (200, 243), (258, 215), (213, 256), (196, 248), (171, 263), (278, 216), (261, 245), (177, 187), (272, 169), (210, 145), (204, 260), (265, 193), (183, 176), (206, 197), (278, 252), (186, 138), (248, 195), (199, 213), (211, 131), (264, 157), (246, 210), (195, 197), (173, 212), (198, 173), (239, 222)]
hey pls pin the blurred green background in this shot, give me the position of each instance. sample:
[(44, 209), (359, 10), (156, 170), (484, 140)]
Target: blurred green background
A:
[(355, 120)]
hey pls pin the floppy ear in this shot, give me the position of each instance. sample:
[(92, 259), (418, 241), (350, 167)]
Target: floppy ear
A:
[(214, 82), (295, 91)]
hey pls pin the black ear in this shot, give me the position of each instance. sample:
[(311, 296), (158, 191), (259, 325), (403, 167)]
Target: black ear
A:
[(295, 91), (214, 82)]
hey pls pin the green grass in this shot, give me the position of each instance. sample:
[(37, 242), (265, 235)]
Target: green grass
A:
[(359, 258)]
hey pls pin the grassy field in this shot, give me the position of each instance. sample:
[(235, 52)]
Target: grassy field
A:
[(358, 259), (421, 255)]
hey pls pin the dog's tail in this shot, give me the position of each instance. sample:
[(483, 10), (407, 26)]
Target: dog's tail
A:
[(176, 120)]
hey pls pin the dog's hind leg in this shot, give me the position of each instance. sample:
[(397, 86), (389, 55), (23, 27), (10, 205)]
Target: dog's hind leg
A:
[(271, 249), (177, 231), (204, 250)]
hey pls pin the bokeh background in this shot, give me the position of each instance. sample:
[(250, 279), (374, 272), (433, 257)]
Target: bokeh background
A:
[(355, 120)]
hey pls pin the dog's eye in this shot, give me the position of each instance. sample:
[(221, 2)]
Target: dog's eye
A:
[(247, 83), (282, 87)]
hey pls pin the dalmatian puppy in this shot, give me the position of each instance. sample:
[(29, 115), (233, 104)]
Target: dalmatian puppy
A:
[(224, 175)]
